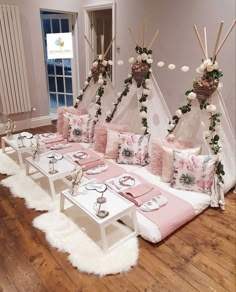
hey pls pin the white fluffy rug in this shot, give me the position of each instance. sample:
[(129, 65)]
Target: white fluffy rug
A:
[(7, 164), (36, 197), (62, 232)]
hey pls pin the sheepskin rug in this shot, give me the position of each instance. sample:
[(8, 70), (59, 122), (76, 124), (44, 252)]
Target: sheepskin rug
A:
[(36, 197), (66, 232), (7, 164)]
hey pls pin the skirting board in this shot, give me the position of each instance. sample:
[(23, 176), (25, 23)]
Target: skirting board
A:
[(29, 123)]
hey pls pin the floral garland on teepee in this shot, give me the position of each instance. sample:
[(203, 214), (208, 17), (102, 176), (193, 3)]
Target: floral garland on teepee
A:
[(203, 88), (98, 73), (141, 70)]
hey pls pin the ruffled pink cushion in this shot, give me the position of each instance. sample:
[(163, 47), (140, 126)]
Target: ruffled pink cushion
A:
[(65, 109), (156, 152), (100, 135)]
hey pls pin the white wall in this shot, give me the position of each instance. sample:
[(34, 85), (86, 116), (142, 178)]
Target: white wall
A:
[(176, 42)]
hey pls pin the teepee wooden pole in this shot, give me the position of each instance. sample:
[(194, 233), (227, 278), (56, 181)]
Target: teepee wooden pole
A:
[(205, 42), (217, 39), (153, 39), (134, 39), (225, 38), (143, 32), (89, 43), (107, 50), (200, 41), (102, 44)]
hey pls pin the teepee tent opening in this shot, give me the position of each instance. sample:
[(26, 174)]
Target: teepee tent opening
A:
[(141, 104)]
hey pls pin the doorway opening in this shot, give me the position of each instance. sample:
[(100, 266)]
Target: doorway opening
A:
[(100, 20), (61, 73)]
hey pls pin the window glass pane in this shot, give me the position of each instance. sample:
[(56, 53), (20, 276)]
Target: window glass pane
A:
[(50, 67), (55, 26), (60, 85), (46, 26), (61, 100), (52, 86), (53, 100), (67, 67), (69, 100), (68, 85), (59, 67), (64, 25)]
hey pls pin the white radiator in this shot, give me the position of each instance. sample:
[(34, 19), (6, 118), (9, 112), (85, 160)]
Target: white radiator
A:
[(14, 89)]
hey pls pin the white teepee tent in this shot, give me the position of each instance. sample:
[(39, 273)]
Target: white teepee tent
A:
[(141, 105), (204, 120), (98, 95)]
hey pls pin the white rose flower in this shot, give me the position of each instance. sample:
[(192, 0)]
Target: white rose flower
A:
[(220, 85), (149, 61), (81, 91), (108, 113), (185, 68), (86, 83), (202, 68), (178, 113), (215, 65), (110, 62), (144, 103), (120, 62), (171, 126), (97, 96), (143, 129), (210, 68), (170, 137), (206, 134), (146, 91), (129, 75), (211, 108), (119, 94), (100, 57), (199, 71), (139, 58), (171, 66), (143, 114), (144, 56), (147, 81), (96, 106), (207, 62), (104, 63), (220, 148), (95, 64), (160, 64), (90, 73), (150, 70), (131, 60), (100, 81), (192, 95)]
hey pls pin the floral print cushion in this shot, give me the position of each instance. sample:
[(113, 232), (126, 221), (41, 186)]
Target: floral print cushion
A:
[(81, 129), (133, 149), (193, 172)]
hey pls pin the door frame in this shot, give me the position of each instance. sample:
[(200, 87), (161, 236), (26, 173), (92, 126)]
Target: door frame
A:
[(101, 6), (74, 61)]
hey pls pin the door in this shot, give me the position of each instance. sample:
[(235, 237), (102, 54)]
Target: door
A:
[(60, 73)]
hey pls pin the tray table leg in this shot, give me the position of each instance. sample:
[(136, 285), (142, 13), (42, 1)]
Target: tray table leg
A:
[(52, 188), (103, 238)]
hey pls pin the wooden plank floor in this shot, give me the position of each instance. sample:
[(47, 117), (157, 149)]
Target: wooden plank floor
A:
[(198, 257)]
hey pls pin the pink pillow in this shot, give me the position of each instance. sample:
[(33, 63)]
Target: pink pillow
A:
[(60, 115), (156, 152), (193, 173), (133, 149), (81, 129), (168, 161), (100, 135), (112, 144)]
